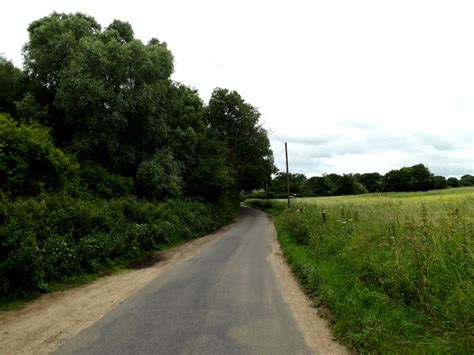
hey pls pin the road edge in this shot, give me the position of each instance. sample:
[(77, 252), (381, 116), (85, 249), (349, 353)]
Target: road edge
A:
[(48, 322), (316, 331)]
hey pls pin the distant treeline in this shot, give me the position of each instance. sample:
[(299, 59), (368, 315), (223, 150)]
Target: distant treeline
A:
[(414, 178)]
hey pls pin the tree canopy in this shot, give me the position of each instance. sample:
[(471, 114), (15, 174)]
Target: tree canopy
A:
[(12, 86), (236, 123), (108, 98)]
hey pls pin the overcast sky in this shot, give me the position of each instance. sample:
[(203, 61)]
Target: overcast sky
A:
[(353, 86)]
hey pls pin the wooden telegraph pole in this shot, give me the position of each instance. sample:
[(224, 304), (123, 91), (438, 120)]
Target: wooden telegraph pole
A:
[(287, 175)]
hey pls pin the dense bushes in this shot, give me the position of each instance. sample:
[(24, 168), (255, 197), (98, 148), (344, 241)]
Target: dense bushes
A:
[(52, 236), (12, 85), (30, 163), (131, 138), (99, 182), (159, 177)]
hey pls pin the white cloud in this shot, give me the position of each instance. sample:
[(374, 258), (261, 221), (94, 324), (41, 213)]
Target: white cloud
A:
[(386, 84)]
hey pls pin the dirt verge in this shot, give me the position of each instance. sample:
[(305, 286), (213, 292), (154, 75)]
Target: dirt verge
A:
[(316, 331), (51, 320)]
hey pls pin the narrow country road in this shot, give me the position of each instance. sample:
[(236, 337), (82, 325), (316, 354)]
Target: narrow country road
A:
[(225, 300)]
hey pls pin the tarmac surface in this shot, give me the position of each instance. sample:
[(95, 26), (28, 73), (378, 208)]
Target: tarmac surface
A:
[(224, 300)]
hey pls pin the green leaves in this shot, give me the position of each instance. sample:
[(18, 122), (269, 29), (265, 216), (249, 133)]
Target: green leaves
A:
[(48, 238), (159, 177), (53, 39), (107, 92), (236, 123), (12, 85), (108, 98), (30, 163)]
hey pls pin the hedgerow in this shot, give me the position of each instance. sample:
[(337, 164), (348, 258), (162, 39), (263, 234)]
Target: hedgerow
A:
[(52, 236)]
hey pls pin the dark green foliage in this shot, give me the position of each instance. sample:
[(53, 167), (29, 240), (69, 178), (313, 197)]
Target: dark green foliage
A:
[(207, 174), (333, 180), (320, 186), (103, 93), (53, 236), (467, 180), (205, 168), (399, 180), (422, 178), (414, 178), (348, 185), (371, 181), (298, 185), (30, 110), (108, 98), (257, 194), (439, 182), (30, 163), (121, 30), (113, 94), (52, 40), (236, 124), (110, 104), (325, 185), (20, 259), (453, 182), (159, 177), (12, 86), (99, 182)]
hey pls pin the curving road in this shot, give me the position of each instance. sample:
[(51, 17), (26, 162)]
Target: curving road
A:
[(225, 300)]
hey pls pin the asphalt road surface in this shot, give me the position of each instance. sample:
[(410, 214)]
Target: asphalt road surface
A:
[(224, 300)]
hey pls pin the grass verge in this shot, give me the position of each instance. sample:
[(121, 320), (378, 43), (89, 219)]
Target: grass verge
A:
[(395, 271)]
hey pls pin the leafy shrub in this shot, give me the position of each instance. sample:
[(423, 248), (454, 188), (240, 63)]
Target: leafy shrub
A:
[(60, 257), (158, 178), (20, 261), (12, 85), (29, 162), (103, 184), (53, 236), (94, 250)]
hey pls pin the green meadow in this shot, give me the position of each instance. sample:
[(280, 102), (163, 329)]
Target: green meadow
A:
[(393, 272)]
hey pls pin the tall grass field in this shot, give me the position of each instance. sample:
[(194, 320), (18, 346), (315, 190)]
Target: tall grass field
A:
[(395, 271)]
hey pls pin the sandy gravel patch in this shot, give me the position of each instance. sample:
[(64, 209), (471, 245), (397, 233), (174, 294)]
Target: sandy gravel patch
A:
[(51, 320), (316, 331)]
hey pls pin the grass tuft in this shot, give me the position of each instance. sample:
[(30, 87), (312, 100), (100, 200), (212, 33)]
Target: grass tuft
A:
[(395, 270)]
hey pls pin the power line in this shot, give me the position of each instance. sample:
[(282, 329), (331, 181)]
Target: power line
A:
[(272, 131)]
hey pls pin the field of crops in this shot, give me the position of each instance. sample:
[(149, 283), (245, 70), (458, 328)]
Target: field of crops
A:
[(395, 270)]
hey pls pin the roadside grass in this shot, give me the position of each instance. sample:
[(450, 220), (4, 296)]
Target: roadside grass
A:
[(395, 270)]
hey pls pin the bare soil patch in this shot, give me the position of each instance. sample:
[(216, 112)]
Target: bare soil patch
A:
[(51, 320), (316, 331)]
